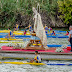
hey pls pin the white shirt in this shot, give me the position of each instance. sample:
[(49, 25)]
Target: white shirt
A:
[(70, 33), (39, 59)]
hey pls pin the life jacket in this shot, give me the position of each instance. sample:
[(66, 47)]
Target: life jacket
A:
[(46, 28), (37, 58), (30, 27)]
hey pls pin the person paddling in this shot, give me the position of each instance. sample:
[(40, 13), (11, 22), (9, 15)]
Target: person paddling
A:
[(67, 33), (46, 28), (17, 27), (10, 34), (30, 27), (25, 32), (37, 58), (53, 33), (70, 36)]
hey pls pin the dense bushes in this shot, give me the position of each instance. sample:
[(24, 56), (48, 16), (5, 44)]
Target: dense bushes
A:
[(65, 10), (20, 11)]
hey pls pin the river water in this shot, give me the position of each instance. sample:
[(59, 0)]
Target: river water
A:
[(32, 68)]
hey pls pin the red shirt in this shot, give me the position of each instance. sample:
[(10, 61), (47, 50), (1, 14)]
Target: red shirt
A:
[(67, 34), (54, 33), (24, 33)]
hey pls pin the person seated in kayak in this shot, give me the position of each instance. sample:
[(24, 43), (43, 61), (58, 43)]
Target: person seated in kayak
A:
[(53, 33), (30, 27), (10, 34), (37, 58), (46, 28), (25, 32), (17, 27), (67, 33), (50, 29)]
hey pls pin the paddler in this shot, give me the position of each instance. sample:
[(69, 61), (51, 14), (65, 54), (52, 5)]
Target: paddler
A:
[(50, 29), (17, 27), (53, 33), (67, 33), (30, 27), (46, 28), (25, 32), (37, 58), (70, 36), (10, 34)]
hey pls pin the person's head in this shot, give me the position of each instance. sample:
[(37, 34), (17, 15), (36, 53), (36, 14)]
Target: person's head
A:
[(50, 27), (45, 24), (36, 52), (16, 24), (53, 31), (67, 32), (70, 28), (8, 28)]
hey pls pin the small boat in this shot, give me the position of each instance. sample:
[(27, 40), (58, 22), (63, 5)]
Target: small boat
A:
[(11, 39), (15, 32), (4, 31), (11, 42), (28, 63), (21, 63)]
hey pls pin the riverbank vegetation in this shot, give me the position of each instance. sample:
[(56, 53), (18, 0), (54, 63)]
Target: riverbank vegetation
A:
[(55, 13)]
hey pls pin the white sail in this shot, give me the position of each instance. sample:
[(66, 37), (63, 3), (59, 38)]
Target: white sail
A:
[(39, 29)]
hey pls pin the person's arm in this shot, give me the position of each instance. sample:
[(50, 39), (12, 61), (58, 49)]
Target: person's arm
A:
[(27, 27), (32, 60), (69, 37)]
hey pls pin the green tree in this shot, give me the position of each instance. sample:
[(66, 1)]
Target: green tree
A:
[(9, 10), (65, 10)]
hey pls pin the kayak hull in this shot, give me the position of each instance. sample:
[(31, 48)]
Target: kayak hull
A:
[(11, 39), (21, 63)]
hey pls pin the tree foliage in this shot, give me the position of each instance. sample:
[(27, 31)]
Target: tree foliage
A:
[(65, 10), (9, 9)]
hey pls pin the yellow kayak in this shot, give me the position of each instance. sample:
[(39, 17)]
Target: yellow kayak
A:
[(10, 39), (4, 31), (20, 63), (19, 33), (11, 42), (15, 32), (7, 31)]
